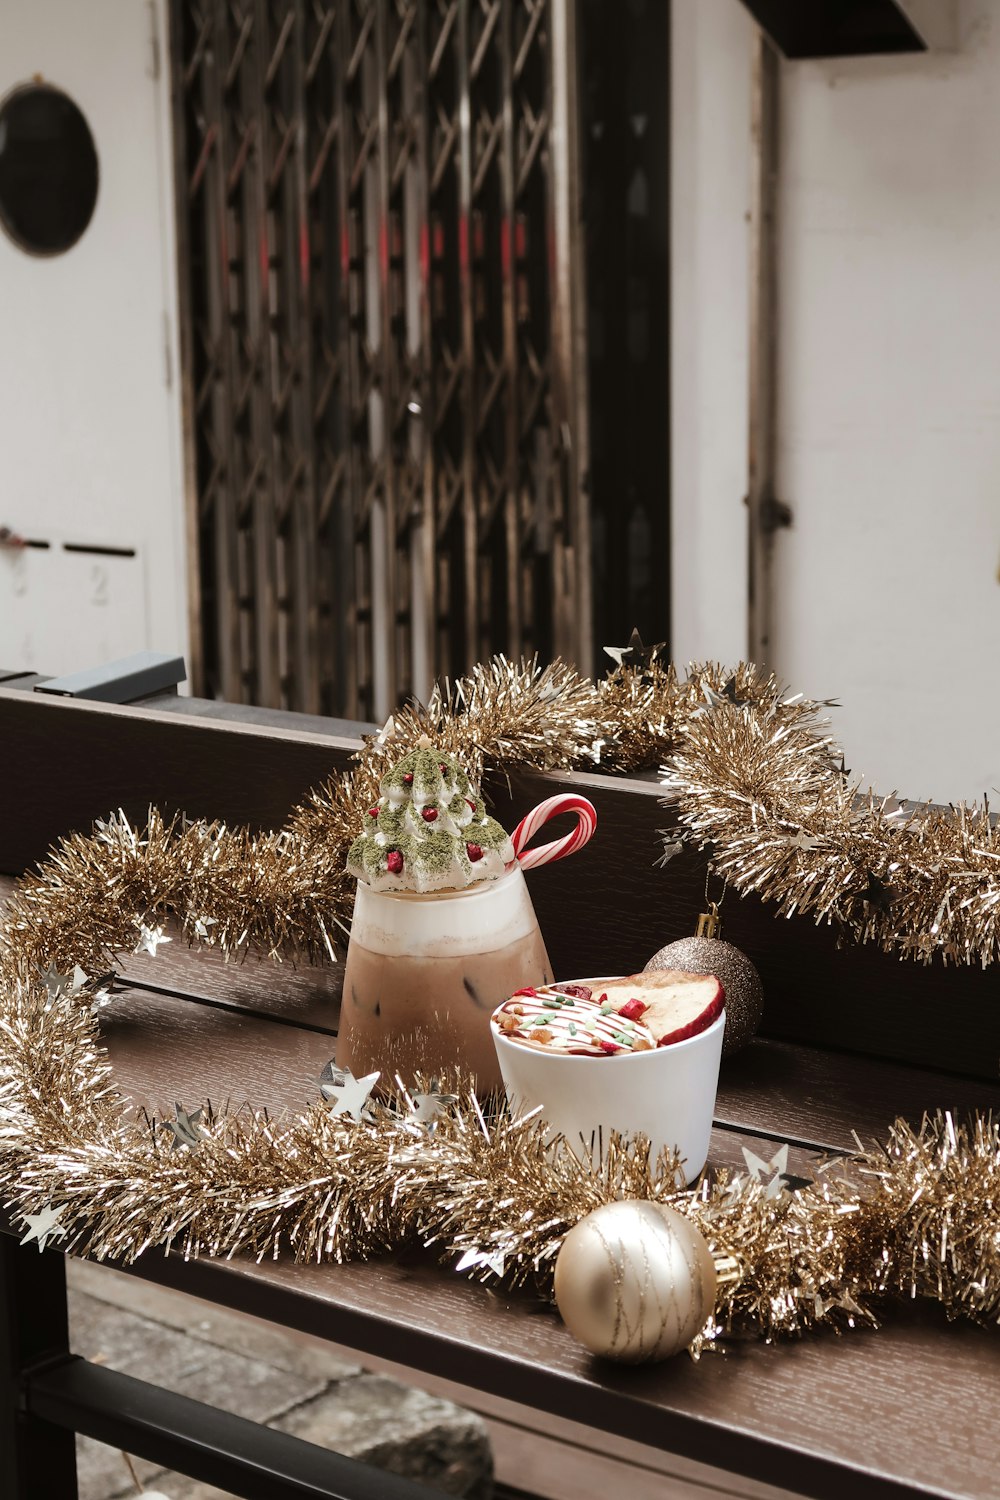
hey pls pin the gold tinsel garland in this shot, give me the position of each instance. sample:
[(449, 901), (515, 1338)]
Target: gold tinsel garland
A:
[(908, 1222), (752, 774)]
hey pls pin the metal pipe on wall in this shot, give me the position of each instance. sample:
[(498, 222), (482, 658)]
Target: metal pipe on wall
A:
[(765, 512), (573, 626)]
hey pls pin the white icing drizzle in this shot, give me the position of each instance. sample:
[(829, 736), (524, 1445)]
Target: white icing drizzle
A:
[(572, 1024)]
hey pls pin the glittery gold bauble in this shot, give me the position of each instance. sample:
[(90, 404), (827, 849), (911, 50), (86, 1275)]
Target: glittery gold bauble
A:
[(737, 975), (635, 1281)]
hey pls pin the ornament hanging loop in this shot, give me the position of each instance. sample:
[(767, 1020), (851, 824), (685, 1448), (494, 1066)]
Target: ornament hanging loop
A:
[(710, 923)]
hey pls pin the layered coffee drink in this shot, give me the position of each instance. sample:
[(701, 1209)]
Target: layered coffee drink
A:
[(443, 928), (425, 973)]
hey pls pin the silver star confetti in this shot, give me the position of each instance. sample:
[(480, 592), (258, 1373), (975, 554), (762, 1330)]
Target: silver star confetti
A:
[(202, 924), (150, 939), (671, 849), (56, 984), (877, 894), (757, 1167), (428, 1107), (731, 694), (186, 1128), (636, 654), (475, 1258), (781, 1180), (102, 990), (710, 700), (60, 987), (346, 1094), (43, 1226)]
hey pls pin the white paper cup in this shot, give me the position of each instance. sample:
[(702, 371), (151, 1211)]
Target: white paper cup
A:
[(668, 1094)]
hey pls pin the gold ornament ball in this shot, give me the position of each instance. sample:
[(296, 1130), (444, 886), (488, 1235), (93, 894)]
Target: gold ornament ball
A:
[(635, 1281), (737, 975)]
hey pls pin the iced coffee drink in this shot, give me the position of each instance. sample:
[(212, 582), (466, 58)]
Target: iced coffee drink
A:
[(425, 973), (443, 929)]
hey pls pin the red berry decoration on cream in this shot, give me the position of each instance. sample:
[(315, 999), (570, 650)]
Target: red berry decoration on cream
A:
[(576, 991), (394, 862), (429, 814), (633, 1010), (471, 803), (408, 777), (373, 812), (475, 853)]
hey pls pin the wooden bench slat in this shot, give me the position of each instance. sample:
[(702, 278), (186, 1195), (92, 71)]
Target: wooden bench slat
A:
[(775, 1091), (809, 1094)]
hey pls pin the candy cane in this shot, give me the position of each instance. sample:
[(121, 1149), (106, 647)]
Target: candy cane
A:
[(586, 822)]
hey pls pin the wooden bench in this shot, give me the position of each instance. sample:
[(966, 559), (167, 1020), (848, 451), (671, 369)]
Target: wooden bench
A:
[(852, 1039)]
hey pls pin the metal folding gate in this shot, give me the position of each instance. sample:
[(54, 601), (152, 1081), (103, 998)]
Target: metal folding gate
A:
[(382, 307)]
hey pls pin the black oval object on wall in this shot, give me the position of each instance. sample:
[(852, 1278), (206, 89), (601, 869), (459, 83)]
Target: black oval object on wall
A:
[(48, 170)]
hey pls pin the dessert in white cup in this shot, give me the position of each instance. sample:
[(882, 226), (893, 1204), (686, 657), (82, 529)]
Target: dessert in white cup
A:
[(586, 1090)]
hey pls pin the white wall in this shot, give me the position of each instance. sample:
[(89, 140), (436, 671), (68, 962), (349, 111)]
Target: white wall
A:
[(710, 113), (889, 406), (886, 588)]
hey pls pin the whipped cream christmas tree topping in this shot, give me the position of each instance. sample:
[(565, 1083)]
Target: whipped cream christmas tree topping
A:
[(429, 830)]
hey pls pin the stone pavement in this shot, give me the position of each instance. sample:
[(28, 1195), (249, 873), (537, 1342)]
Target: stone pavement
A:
[(268, 1375)]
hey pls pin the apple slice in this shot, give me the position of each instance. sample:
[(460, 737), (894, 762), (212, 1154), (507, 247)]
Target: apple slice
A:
[(675, 1004)]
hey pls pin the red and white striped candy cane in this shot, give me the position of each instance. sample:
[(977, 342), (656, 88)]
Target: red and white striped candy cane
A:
[(586, 822)]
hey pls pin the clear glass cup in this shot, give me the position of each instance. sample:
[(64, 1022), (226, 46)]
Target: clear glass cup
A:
[(425, 973)]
